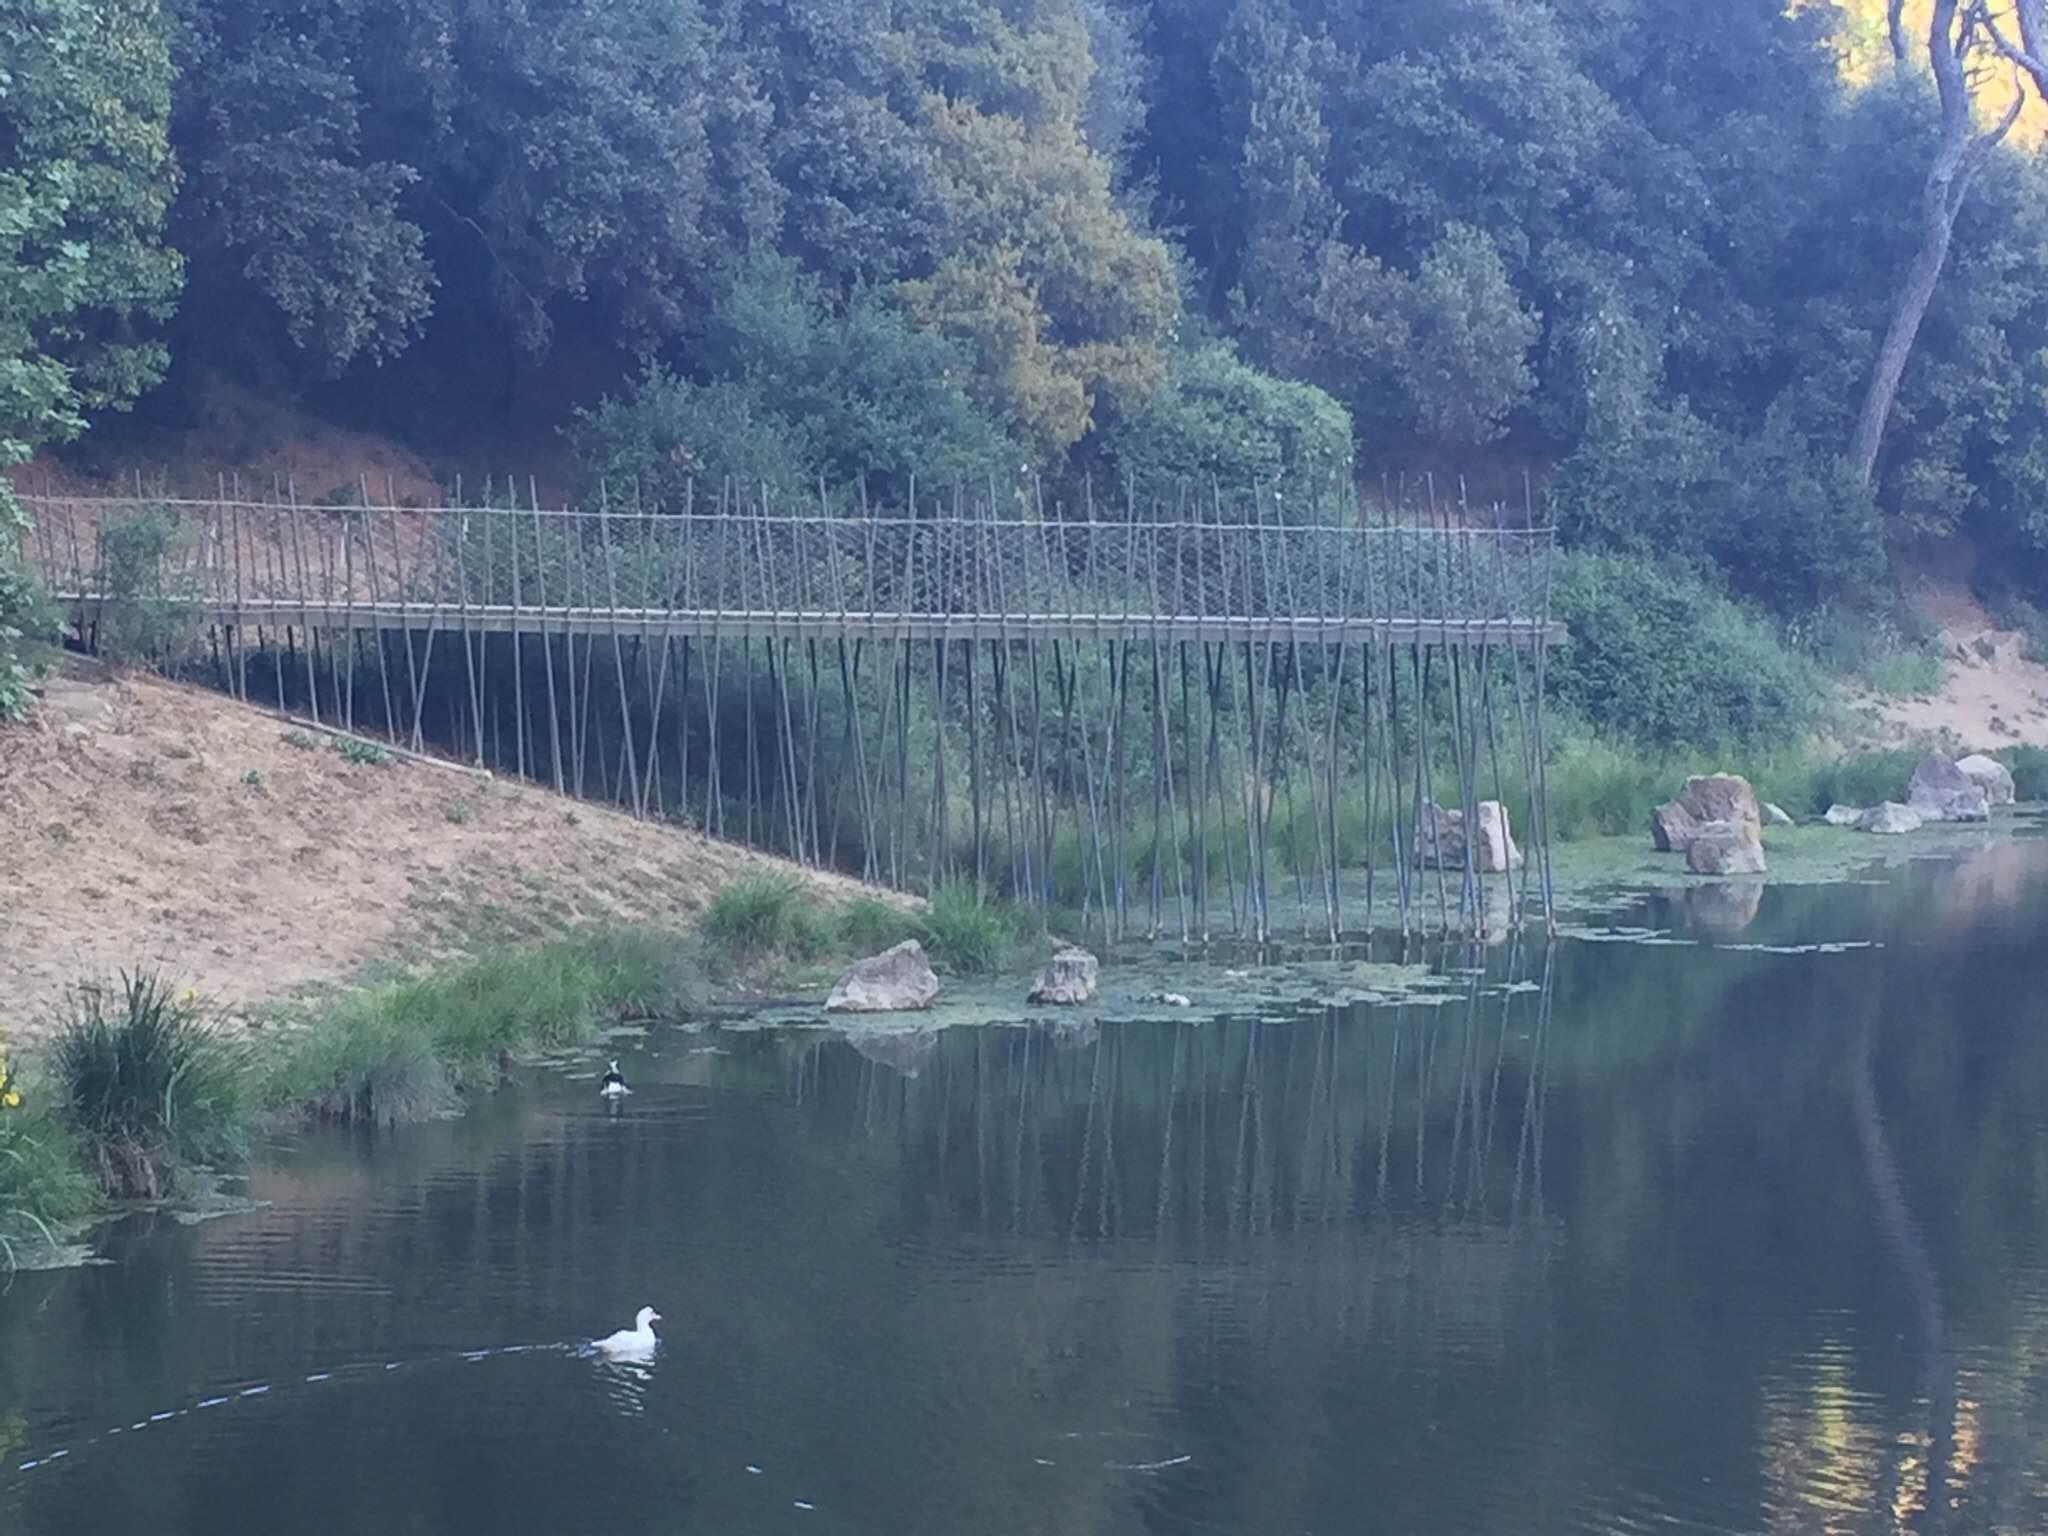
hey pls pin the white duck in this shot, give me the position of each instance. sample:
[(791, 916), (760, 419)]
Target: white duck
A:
[(634, 1343), (614, 1084)]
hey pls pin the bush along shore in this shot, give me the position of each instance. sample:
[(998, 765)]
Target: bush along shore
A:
[(144, 1094)]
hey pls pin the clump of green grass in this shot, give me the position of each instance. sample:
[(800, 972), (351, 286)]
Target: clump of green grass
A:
[(1599, 788), (1856, 778), (763, 916), (360, 1063), (147, 1086), (458, 812), (304, 741), (966, 935), (1912, 674), (867, 925), (364, 754), (2029, 768), (410, 1049), (44, 1187)]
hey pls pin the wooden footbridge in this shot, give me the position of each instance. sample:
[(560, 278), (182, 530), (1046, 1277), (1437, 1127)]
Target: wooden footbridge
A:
[(1209, 722)]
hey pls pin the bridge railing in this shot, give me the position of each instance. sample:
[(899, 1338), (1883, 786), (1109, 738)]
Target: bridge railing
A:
[(970, 575)]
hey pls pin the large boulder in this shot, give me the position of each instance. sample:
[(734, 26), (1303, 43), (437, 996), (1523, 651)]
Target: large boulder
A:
[(1068, 978), (1843, 815), (1940, 791), (1890, 819), (1706, 798), (1493, 840), (898, 980), (1440, 837), (1776, 815), (1725, 848), (1672, 827), (1990, 775)]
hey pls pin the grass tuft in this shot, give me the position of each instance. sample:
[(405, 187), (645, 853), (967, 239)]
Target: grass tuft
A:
[(761, 917), (409, 1050), (147, 1085), (966, 935), (363, 754), (44, 1188), (1908, 674), (868, 925)]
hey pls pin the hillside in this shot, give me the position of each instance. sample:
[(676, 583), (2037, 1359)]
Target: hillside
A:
[(146, 823), (1992, 693)]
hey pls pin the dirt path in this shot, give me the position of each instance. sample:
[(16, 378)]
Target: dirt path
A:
[(144, 823)]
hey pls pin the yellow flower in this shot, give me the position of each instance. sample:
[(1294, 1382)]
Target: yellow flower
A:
[(12, 1100)]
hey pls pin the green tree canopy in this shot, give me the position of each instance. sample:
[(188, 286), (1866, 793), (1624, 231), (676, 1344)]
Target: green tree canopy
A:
[(85, 279)]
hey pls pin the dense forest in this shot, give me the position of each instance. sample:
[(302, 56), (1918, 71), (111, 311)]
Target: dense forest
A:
[(1652, 250)]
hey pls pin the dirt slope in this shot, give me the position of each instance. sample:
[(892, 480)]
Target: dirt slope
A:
[(148, 823), (1991, 695)]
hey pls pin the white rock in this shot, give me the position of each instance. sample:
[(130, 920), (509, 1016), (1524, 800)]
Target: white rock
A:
[(1990, 775), (1891, 819), (898, 980), (1494, 850), (1069, 978)]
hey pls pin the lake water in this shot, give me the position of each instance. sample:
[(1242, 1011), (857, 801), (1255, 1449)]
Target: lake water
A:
[(1628, 1236)]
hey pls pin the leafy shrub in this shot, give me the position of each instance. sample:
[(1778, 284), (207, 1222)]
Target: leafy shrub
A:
[(140, 621), (147, 1085), (1772, 512), (364, 754), (2029, 767), (1219, 420), (25, 620), (1660, 656), (758, 916), (2010, 610), (793, 389), (666, 431)]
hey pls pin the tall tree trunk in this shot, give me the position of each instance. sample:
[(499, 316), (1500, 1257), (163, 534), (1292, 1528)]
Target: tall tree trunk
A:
[(1937, 229), (1958, 157)]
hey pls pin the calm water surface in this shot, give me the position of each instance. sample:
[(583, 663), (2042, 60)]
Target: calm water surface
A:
[(1679, 1236)]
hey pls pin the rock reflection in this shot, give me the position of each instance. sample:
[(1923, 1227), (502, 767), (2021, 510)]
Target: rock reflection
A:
[(905, 1051), (1724, 906)]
